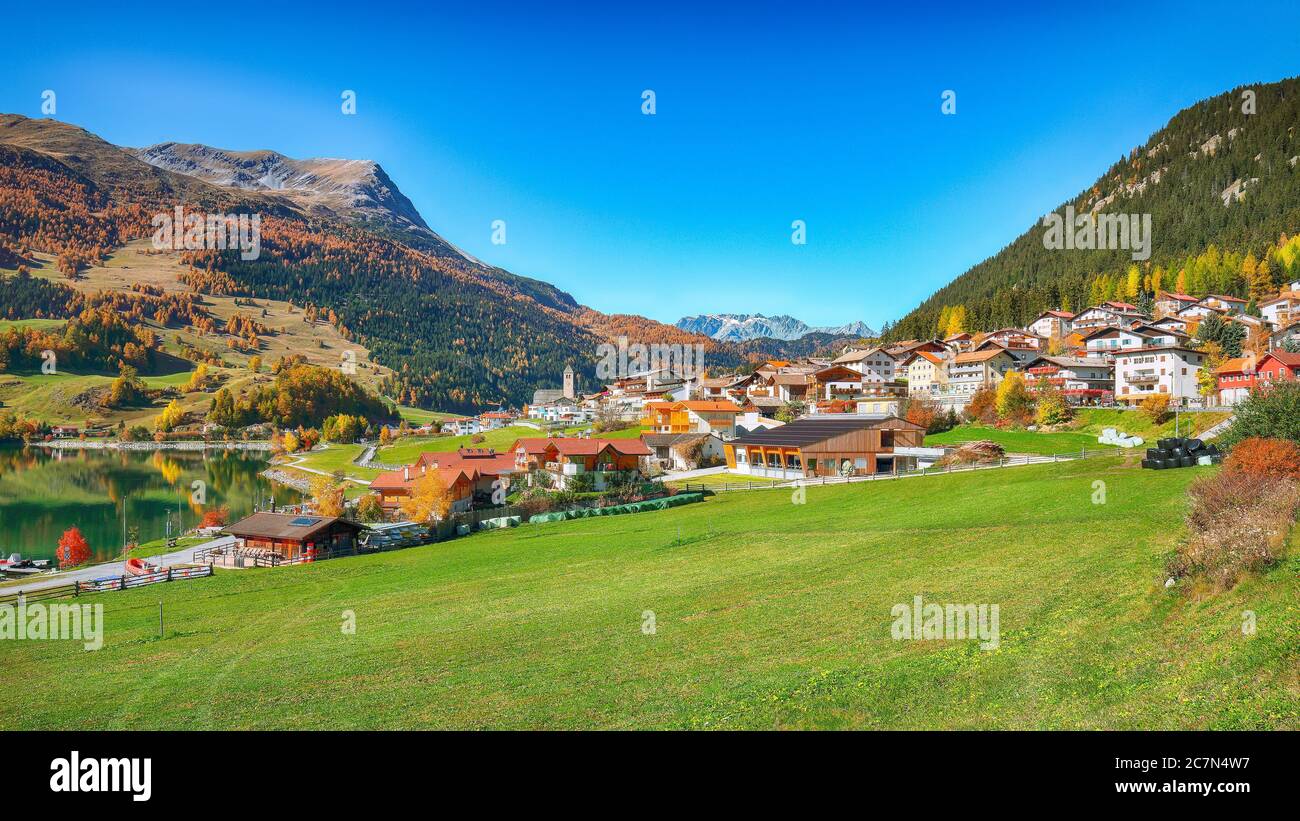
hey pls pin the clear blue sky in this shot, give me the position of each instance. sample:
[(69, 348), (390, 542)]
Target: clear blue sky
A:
[(765, 114)]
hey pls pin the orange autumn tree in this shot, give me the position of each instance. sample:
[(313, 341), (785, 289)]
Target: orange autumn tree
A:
[(429, 499), (73, 548), (215, 517)]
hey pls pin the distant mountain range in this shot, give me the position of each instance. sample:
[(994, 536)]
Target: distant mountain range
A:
[(744, 327)]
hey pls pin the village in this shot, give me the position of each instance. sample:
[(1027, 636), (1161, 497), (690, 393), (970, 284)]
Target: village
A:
[(838, 417)]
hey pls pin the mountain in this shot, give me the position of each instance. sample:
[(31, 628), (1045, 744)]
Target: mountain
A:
[(340, 244), (1221, 184), (744, 327), (355, 190)]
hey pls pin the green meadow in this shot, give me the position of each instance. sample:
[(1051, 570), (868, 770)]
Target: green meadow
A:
[(1087, 425), (744, 611)]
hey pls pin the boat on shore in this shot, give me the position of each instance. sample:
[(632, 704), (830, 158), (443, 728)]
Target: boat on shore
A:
[(17, 566)]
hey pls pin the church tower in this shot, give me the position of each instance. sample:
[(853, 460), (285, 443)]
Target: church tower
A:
[(568, 382)]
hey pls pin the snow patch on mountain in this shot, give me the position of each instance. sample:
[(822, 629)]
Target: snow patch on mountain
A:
[(742, 327)]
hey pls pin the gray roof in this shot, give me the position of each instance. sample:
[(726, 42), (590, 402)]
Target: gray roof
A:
[(544, 396), (811, 430)]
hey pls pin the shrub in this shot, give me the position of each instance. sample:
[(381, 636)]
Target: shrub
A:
[(1239, 523), (1156, 408), (217, 517), (982, 406), (1052, 407), (1279, 458), (1270, 414)]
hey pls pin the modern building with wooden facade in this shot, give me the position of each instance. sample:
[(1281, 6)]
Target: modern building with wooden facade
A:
[(829, 445), (293, 535)]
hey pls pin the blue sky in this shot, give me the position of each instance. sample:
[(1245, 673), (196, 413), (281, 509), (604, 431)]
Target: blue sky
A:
[(765, 114)]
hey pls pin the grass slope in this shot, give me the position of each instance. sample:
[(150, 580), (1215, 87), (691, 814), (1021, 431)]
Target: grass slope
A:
[(407, 449), (767, 615), (1088, 425)]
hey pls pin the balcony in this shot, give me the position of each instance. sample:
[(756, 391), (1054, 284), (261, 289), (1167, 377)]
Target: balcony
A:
[(1142, 378), (565, 468)]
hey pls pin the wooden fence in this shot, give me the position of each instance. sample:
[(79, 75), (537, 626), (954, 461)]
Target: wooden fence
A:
[(108, 583), (167, 574)]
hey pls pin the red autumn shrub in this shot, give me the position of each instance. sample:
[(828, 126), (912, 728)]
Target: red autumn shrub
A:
[(1266, 457), (73, 548), (1238, 523), (215, 518)]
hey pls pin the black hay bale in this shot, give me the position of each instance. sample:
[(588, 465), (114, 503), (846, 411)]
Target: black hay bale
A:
[(1149, 464), (1187, 461), (1169, 463), (1194, 445), (1156, 453)]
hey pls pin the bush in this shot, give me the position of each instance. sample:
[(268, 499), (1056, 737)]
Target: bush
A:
[(1052, 407), (982, 406), (1239, 523), (1270, 414), (582, 483), (1279, 458), (1156, 408)]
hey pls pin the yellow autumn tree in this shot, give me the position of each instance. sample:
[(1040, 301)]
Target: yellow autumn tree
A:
[(430, 499), (171, 416), (1014, 401), (255, 364), (1134, 285), (327, 495), (956, 321), (290, 442), (198, 379)]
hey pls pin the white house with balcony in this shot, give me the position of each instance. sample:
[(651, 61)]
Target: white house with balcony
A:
[(1170, 370)]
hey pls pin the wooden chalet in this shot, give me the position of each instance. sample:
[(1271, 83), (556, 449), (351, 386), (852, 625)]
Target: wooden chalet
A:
[(828, 445)]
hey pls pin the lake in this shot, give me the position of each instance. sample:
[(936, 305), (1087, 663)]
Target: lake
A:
[(43, 492)]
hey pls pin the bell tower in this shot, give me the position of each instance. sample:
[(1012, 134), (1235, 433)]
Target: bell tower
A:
[(568, 382)]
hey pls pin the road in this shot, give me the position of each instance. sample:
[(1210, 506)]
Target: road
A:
[(99, 571)]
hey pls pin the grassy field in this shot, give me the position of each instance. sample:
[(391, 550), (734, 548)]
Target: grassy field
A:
[(1087, 426), (766, 614), (334, 458), (419, 416), (718, 480), (1016, 441), (409, 448), (38, 324), (1136, 423), (159, 546)]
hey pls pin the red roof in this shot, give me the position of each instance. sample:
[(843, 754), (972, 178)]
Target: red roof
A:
[(1291, 360), (581, 447)]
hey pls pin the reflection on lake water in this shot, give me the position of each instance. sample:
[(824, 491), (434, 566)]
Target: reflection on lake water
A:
[(43, 492)]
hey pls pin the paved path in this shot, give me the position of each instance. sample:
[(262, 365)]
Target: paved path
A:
[(99, 571), (691, 474)]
